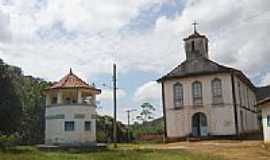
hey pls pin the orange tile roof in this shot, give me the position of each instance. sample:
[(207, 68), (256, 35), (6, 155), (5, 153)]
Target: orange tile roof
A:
[(72, 81)]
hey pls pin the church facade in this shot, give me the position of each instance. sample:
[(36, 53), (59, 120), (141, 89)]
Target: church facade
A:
[(203, 98)]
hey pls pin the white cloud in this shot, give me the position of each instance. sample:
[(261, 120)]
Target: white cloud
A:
[(107, 95), (5, 33), (49, 38), (78, 15), (265, 80), (105, 105), (148, 91), (85, 35)]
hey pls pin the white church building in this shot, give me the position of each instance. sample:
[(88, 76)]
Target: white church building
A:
[(203, 98), (71, 112)]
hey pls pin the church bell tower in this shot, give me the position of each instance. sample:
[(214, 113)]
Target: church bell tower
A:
[(196, 45)]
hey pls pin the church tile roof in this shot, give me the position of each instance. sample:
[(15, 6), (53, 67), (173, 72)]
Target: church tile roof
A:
[(202, 66)]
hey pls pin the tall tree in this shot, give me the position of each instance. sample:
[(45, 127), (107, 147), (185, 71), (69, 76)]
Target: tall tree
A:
[(33, 100), (146, 114), (22, 104), (10, 104)]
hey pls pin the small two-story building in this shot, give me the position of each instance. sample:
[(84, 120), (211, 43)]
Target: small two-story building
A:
[(71, 112)]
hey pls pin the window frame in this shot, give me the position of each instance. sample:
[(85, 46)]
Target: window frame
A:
[(197, 96), (87, 126), (217, 94), (178, 98), (54, 100), (66, 127)]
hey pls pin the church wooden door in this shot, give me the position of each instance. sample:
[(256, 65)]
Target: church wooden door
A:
[(199, 125)]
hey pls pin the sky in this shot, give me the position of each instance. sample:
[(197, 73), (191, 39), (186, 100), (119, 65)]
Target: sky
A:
[(143, 37)]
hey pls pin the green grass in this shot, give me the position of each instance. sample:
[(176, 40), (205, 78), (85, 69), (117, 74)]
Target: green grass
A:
[(31, 153)]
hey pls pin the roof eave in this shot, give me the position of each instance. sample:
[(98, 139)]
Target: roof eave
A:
[(263, 101), (189, 75), (245, 79), (60, 88)]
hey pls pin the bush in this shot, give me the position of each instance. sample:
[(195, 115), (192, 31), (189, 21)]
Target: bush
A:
[(101, 137), (6, 142)]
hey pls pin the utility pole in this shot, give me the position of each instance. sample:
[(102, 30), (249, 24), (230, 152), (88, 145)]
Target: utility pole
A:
[(128, 113), (114, 106)]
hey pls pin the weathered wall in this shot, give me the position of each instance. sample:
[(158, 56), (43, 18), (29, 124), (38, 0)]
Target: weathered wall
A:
[(220, 118), (55, 131), (246, 101), (200, 46)]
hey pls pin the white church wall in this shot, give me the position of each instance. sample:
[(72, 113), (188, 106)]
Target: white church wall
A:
[(245, 100), (55, 129), (220, 118)]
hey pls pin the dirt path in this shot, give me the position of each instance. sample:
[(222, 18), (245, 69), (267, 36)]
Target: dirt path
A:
[(231, 150)]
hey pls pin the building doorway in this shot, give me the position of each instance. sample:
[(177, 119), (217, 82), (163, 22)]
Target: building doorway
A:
[(199, 125)]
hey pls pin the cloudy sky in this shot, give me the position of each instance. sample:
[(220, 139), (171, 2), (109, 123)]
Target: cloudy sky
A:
[(144, 37)]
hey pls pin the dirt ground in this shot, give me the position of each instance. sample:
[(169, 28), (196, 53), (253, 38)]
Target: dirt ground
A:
[(231, 150)]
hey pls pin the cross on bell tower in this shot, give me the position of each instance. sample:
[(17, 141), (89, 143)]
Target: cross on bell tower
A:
[(196, 45)]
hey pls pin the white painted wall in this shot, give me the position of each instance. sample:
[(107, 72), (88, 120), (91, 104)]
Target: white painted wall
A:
[(266, 129), (220, 118), (246, 98), (55, 131)]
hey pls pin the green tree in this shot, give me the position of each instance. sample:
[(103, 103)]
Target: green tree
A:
[(22, 104), (146, 114), (104, 125), (10, 104), (33, 103)]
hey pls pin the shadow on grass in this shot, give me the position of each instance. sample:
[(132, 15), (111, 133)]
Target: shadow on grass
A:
[(75, 150), (19, 149)]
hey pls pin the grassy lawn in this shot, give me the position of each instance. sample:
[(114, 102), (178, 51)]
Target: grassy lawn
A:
[(30, 153)]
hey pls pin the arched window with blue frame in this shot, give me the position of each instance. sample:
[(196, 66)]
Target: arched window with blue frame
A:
[(217, 91), (178, 95), (197, 93)]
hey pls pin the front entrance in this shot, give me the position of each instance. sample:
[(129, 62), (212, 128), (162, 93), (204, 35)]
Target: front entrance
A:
[(199, 125)]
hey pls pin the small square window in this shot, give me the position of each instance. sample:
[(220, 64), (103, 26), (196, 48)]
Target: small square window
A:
[(69, 126), (54, 100), (87, 126), (268, 121)]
